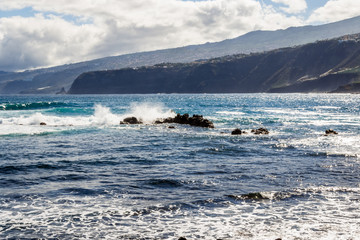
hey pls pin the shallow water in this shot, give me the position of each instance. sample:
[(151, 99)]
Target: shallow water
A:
[(85, 176)]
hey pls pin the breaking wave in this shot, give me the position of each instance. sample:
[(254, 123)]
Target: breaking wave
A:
[(102, 116), (30, 106)]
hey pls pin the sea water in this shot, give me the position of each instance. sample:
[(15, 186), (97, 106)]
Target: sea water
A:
[(85, 176)]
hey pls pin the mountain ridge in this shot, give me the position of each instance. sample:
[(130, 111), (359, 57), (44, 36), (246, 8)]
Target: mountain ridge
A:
[(51, 80), (322, 66)]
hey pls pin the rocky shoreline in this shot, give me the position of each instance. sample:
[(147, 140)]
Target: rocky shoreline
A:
[(199, 121)]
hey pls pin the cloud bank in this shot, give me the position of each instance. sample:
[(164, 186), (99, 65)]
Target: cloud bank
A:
[(66, 31), (292, 6), (335, 10)]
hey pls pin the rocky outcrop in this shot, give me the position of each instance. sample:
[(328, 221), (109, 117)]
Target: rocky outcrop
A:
[(260, 131), (131, 120), (42, 124), (249, 196), (330, 132), (237, 131), (254, 196), (62, 91), (195, 120)]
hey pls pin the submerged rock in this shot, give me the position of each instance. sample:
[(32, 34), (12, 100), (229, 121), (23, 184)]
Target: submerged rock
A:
[(254, 196), (249, 196), (330, 132), (131, 120), (260, 131), (42, 123)]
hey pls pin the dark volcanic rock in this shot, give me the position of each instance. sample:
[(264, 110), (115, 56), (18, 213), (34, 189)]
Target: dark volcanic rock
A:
[(330, 132), (237, 131), (195, 120), (199, 121), (182, 119), (260, 131), (42, 123), (131, 120), (249, 196), (254, 196)]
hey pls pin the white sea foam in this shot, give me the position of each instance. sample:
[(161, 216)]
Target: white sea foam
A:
[(313, 213), (327, 107), (343, 144), (230, 113), (103, 116)]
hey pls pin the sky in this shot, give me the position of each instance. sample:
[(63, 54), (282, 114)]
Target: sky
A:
[(41, 33)]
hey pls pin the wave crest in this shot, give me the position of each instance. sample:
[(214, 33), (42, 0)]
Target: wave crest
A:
[(102, 116), (30, 106)]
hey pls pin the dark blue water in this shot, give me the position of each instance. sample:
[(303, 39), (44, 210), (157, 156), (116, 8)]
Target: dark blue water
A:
[(85, 176)]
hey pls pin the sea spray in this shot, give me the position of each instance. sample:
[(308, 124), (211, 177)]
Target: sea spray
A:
[(102, 116), (149, 112)]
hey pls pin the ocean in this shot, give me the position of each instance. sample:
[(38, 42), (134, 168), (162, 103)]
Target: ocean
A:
[(85, 176)]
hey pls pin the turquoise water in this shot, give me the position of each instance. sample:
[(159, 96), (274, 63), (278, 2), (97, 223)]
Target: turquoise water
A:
[(85, 176)]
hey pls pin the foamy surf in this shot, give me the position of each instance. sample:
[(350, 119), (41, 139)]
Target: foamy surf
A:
[(102, 117), (312, 213)]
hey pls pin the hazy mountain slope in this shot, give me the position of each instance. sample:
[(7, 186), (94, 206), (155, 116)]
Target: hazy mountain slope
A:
[(50, 80), (317, 67)]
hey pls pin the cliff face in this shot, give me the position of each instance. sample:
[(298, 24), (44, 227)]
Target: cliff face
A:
[(318, 67)]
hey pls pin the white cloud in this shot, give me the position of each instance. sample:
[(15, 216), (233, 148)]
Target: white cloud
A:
[(112, 27), (335, 10), (293, 6), (38, 41)]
